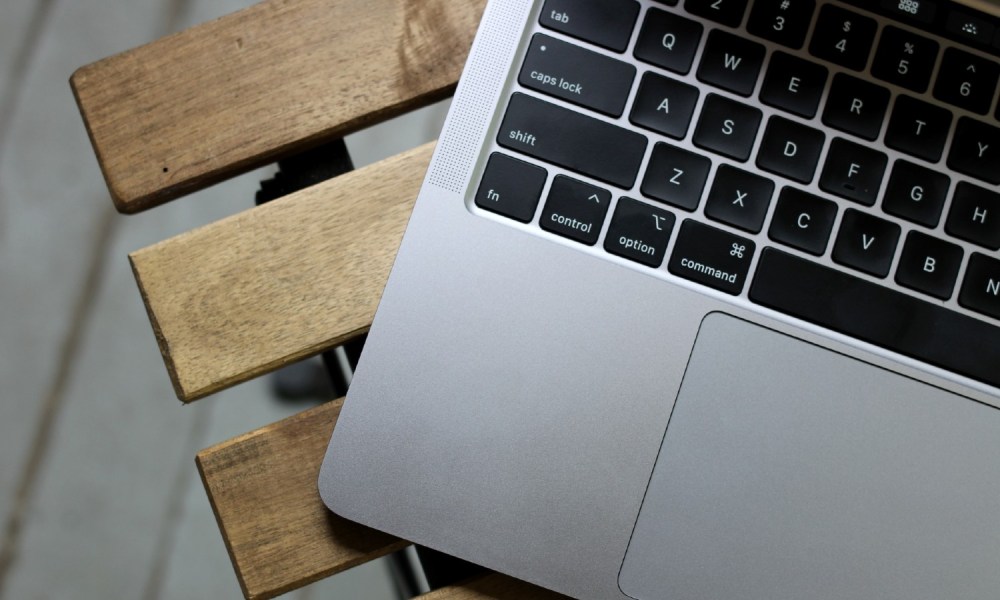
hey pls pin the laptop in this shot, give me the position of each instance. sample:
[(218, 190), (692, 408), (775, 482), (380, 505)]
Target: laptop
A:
[(700, 299)]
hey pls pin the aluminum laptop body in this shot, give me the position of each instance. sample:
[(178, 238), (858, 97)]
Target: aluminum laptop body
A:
[(726, 325)]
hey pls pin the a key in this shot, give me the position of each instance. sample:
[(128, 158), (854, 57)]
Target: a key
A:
[(803, 221), (712, 257), (675, 176), (929, 265), (856, 106), (782, 21), (739, 198), (793, 84), (967, 81), (872, 313), (843, 37), (975, 150), (731, 62), (569, 139), (575, 210), (577, 75), (981, 288), (664, 105), (916, 193), (511, 187), (975, 215), (727, 127), (918, 128), (866, 243), (853, 171), (607, 23), (727, 12), (668, 40), (905, 59), (639, 232), (790, 149)]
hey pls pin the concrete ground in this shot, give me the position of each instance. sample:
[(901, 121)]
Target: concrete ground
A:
[(99, 495)]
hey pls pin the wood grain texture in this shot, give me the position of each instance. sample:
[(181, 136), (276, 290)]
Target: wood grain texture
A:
[(262, 487), (239, 92), (280, 282), (493, 587)]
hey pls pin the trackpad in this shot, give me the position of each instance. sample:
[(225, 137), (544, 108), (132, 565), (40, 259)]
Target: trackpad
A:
[(789, 471)]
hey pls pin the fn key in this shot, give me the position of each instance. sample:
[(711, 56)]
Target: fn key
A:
[(511, 187)]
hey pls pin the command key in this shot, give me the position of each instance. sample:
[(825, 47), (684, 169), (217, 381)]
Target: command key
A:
[(712, 257)]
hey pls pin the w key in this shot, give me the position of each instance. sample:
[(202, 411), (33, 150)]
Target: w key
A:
[(731, 63)]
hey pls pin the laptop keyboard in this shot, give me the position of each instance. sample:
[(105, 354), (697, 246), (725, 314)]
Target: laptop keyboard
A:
[(848, 178)]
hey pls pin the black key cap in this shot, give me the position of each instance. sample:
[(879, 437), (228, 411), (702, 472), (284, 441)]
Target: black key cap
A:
[(793, 84), (676, 177), (803, 221), (892, 320), (856, 106), (577, 75), (731, 62), (607, 23), (575, 210), (783, 21), (639, 232), (866, 243), (790, 149), (572, 140), (727, 127), (967, 81), (975, 150), (929, 265), (664, 105), (981, 289), (918, 128), (712, 257), (916, 193), (853, 171), (727, 12), (975, 215), (511, 187), (905, 59), (739, 198), (843, 37), (668, 40)]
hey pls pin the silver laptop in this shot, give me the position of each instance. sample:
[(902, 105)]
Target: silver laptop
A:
[(700, 299)]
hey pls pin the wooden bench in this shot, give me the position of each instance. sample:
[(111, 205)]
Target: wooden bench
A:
[(289, 279)]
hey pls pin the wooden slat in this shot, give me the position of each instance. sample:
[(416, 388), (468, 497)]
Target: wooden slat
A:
[(493, 587), (280, 282), (263, 490), (222, 98)]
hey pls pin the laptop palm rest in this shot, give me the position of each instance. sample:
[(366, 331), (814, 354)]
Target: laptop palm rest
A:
[(789, 471)]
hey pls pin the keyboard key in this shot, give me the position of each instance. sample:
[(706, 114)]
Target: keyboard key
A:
[(790, 149), (793, 84), (975, 150), (929, 265), (712, 257), (856, 106), (731, 62), (843, 37), (853, 171), (866, 243), (727, 127), (639, 232), (607, 23), (664, 105), (802, 220), (739, 198), (727, 12), (916, 193), (668, 40), (782, 21), (905, 59), (981, 289), (892, 320), (577, 75), (975, 216), (575, 210), (918, 128), (967, 81), (511, 187), (676, 177), (569, 139)]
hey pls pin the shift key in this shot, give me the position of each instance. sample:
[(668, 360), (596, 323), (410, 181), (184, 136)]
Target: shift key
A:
[(571, 140), (712, 257)]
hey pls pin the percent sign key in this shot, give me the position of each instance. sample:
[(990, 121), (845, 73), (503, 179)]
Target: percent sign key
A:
[(712, 257)]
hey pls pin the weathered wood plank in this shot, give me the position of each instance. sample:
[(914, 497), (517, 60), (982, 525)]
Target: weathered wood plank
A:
[(280, 282), (262, 487), (493, 587), (232, 94)]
